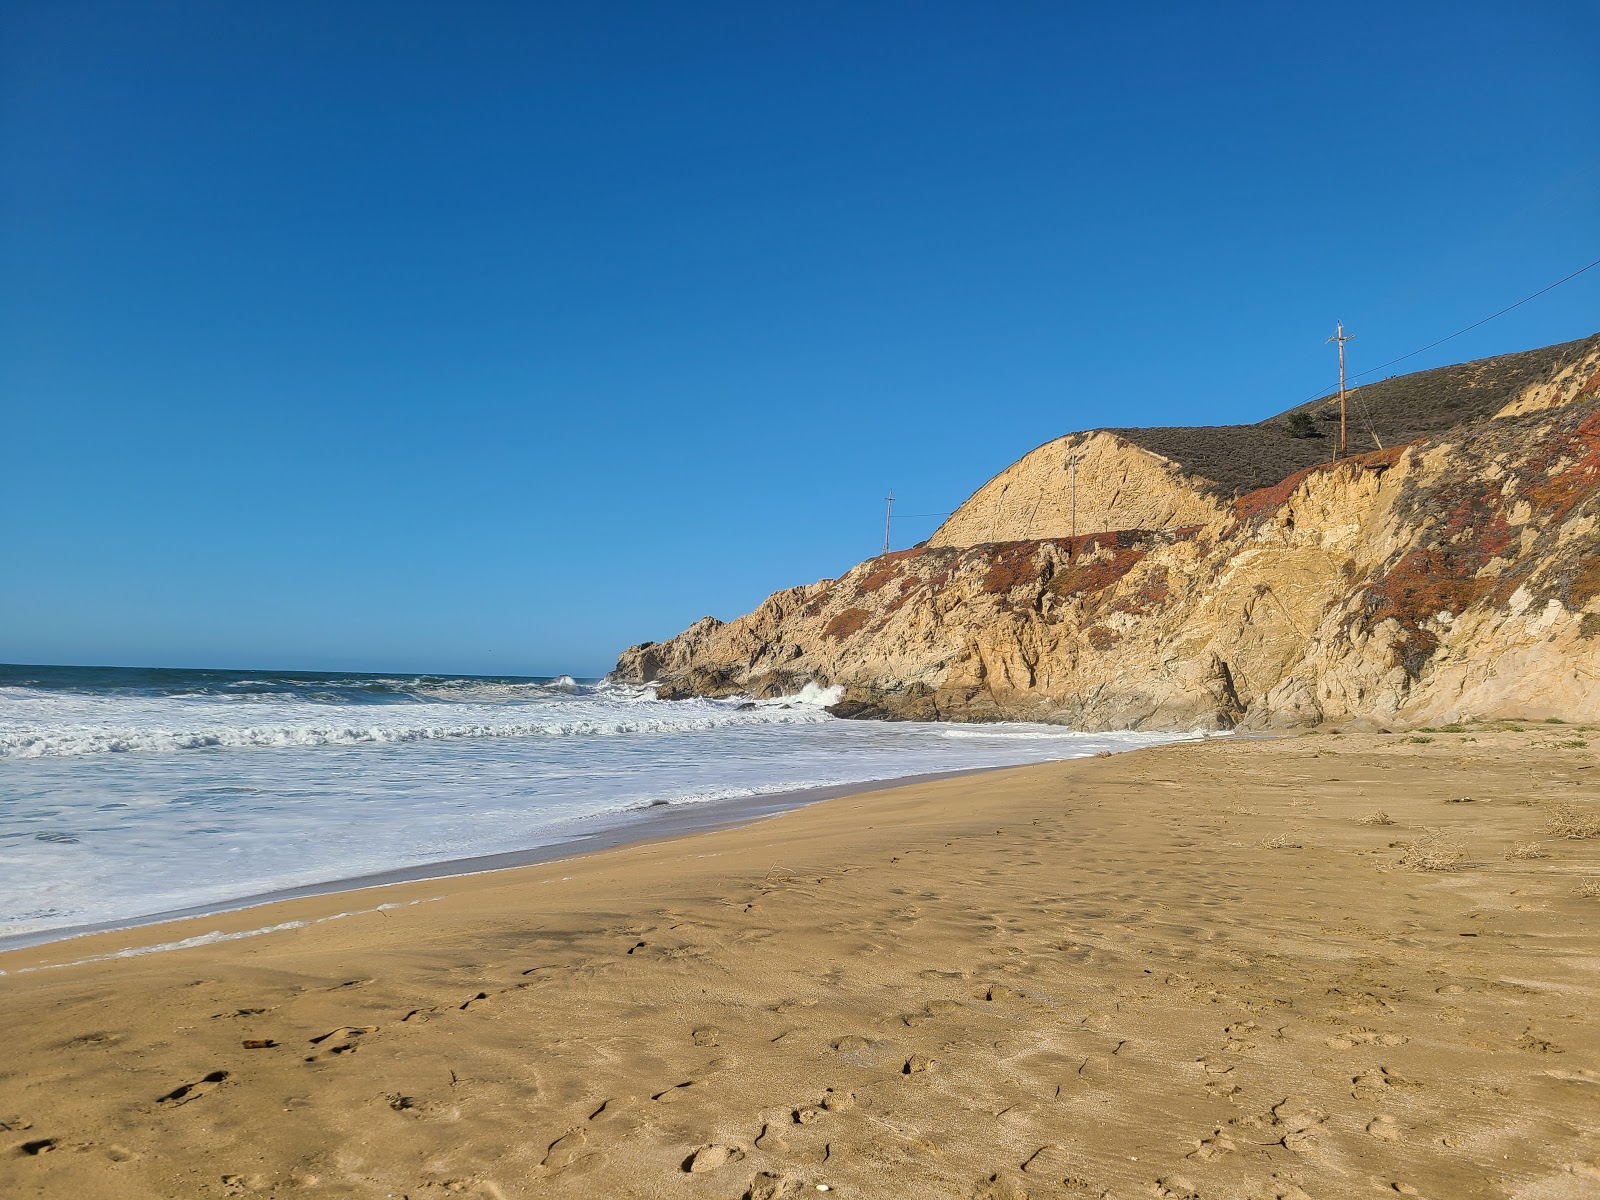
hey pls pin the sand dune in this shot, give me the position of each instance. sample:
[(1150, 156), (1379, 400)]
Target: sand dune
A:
[(1204, 970)]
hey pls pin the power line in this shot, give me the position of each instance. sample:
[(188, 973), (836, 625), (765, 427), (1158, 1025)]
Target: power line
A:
[(1355, 392), (1485, 321), (1317, 395)]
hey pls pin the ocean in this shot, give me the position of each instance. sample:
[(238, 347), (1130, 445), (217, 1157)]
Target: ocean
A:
[(130, 792)]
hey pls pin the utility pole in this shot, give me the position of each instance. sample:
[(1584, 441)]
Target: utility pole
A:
[(888, 515), (1341, 337)]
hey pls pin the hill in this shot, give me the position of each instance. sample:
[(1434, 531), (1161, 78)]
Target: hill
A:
[(1174, 476), (1455, 575), (1393, 411)]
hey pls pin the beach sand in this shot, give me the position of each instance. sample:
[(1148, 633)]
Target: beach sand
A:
[(1193, 971)]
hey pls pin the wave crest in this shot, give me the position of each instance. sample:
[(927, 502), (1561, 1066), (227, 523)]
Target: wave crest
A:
[(61, 742)]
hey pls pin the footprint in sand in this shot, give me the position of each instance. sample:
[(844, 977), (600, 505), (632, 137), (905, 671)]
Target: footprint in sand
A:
[(36, 1147), (675, 1092), (770, 1141), (1174, 1187), (193, 1091), (1025, 1110), (1289, 1124), (344, 1038), (1378, 1079), (1352, 1038), (706, 1035), (566, 1149), (832, 1102), (1238, 1039), (767, 1186), (612, 1108), (1215, 1145), (934, 1008), (709, 1158), (1384, 1128)]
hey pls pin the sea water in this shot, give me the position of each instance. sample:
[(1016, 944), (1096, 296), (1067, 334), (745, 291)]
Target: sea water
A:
[(127, 792)]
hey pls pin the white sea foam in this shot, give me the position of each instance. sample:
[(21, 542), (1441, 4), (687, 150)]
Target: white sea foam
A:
[(99, 725), (209, 939), (810, 696)]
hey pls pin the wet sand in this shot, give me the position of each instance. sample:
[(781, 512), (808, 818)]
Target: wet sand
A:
[(1202, 970), (645, 824)]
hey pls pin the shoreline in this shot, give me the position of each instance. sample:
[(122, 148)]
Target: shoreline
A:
[(641, 824), (1300, 967)]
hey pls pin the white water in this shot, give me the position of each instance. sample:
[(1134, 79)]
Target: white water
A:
[(118, 802)]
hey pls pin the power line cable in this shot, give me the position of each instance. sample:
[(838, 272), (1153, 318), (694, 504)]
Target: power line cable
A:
[(1485, 321), (1356, 392), (1465, 329)]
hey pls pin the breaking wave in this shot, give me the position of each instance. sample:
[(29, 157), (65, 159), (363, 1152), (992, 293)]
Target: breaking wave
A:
[(161, 732)]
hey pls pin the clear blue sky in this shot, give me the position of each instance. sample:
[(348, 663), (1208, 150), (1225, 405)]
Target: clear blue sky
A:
[(495, 337)]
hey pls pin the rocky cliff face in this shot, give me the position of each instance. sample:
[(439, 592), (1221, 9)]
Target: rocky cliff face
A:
[(1457, 576)]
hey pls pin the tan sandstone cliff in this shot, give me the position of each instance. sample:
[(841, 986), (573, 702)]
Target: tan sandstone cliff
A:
[(1083, 482), (1457, 576)]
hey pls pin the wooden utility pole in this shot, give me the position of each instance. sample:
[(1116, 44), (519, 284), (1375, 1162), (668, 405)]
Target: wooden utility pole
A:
[(888, 515), (1341, 337)]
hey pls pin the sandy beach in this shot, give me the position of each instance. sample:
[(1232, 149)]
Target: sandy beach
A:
[(1319, 966)]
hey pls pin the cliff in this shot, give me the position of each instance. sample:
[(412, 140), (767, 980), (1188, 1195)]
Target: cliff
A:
[(1457, 575), (1172, 476), (1119, 486)]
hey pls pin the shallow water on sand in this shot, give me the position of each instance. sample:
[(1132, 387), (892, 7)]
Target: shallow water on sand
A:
[(127, 792)]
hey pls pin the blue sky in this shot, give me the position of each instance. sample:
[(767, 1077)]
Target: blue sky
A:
[(496, 337)]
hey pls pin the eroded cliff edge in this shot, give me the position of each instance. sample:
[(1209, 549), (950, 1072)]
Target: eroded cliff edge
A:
[(1451, 577)]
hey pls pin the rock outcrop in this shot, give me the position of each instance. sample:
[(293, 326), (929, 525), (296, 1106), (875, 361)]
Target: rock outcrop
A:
[(1457, 576)]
